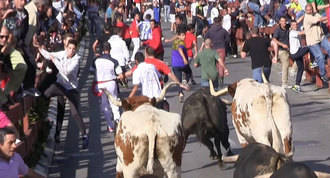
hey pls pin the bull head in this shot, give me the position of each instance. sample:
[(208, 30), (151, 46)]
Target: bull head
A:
[(231, 89), (130, 104)]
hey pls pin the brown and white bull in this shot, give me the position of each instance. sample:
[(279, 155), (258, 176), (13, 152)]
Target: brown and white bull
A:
[(260, 113), (148, 140)]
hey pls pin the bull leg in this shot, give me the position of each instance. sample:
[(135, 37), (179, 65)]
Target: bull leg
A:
[(170, 168), (119, 169), (207, 142), (217, 145)]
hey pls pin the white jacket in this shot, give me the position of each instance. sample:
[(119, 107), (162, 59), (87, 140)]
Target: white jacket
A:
[(119, 50)]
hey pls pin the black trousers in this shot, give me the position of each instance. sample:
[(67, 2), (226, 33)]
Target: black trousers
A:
[(73, 97), (178, 73), (299, 58)]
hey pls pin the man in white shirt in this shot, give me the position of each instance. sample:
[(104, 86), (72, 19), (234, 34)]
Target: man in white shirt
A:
[(226, 21), (193, 11), (119, 49), (67, 63), (107, 70), (147, 76)]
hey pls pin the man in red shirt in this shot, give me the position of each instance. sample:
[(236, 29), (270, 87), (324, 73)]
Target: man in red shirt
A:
[(190, 42), (159, 65), (125, 30), (156, 40), (135, 35)]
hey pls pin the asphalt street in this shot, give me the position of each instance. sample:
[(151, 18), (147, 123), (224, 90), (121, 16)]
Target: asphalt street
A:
[(310, 113)]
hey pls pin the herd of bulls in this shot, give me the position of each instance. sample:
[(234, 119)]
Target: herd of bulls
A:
[(150, 141)]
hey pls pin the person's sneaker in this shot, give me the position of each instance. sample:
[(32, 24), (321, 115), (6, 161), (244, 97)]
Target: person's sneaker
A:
[(296, 88), (85, 142), (313, 65), (199, 36), (184, 82), (228, 152), (325, 78), (31, 92)]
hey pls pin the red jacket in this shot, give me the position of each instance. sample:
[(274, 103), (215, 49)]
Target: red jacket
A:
[(156, 40), (125, 30), (133, 30)]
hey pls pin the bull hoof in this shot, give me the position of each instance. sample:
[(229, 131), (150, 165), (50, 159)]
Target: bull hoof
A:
[(221, 164), (214, 157)]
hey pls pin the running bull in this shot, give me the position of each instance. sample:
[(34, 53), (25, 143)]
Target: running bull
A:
[(262, 161), (206, 116), (148, 140), (260, 113)]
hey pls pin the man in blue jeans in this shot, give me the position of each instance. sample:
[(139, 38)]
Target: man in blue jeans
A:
[(260, 56), (316, 39)]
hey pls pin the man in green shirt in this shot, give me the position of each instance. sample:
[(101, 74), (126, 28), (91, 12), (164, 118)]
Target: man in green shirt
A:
[(207, 59), (318, 6)]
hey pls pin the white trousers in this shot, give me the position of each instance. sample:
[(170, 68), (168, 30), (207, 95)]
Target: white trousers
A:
[(136, 42), (111, 111)]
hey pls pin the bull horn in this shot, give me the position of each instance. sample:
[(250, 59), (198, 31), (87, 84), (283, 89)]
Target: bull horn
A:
[(322, 174), (230, 159), (264, 175), (263, 76), (217, 93), (111, 98), (163, 93), (227, 102)]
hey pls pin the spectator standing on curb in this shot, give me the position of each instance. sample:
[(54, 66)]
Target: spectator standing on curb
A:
[(193, 12), (200, 18), (93, 15), (13, 67), (281, 38), (67, 63), (297, 53), (260, 57), (181, 9), (108, 14), (316, 39), (11, 163), (166, 4), (208, 59), (34, 8), (107, 70), (172, 15)]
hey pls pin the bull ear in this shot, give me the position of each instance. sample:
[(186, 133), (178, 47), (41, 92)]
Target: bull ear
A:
[(153, 101), (232, 89), (126, 105), (281, 161)]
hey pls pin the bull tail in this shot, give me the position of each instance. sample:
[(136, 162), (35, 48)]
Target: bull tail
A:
[(275, 140), (152, 141)]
